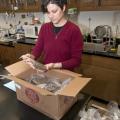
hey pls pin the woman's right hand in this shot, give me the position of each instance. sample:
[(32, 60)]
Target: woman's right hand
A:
[(28, 59), (27, 56)]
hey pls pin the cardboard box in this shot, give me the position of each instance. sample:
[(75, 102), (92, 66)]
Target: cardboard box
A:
[(50, 104)]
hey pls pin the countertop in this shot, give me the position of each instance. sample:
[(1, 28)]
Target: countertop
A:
[(105, 54), (30, 41), (13, 109)]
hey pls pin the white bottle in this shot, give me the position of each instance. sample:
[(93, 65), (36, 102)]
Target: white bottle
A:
[(118, 50)]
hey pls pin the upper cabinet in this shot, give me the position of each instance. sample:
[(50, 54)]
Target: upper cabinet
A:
[(72, 3), (89, 5), (86, 5), (20, 5), (110, 4), (32, 5), (35, 5), (4, 5)]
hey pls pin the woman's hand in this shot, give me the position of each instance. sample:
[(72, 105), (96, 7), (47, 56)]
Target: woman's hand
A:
[(28, 59), (27, 56), (53, 66)]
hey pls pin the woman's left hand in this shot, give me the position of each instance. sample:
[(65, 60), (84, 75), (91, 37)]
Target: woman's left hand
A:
[(53, 66)]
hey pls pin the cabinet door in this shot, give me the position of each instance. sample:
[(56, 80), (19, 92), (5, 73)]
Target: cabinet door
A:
[(22, 49), (86, 5), (28, 5), (105, 74), (10, 55), (23, 5), (110, 4), (7, 55), (4, 5), (2, 53), (72, 3), (32, 5)]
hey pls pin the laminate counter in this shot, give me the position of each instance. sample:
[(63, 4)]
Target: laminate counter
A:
[(29, 41), (107, 54)]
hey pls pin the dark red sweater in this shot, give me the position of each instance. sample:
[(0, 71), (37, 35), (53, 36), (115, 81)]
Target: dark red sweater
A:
[(65, 47)]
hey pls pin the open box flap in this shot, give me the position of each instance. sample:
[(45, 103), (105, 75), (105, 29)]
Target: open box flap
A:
[(73, 88), (17, 68), (29, 85)]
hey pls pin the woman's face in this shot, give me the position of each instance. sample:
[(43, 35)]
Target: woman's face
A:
[(55, 13)]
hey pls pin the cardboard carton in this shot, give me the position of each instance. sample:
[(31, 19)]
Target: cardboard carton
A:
[(49, 103)]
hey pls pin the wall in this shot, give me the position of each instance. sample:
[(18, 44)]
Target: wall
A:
[(7, 19), (86, 20), (91, 19)]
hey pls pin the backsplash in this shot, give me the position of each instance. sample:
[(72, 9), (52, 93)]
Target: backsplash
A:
[(7, 19), (87, 21), (90, 20)]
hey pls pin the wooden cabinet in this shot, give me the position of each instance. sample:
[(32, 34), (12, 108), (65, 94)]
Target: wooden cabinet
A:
[(23, 5), (4, 5), (31, 6), (82, 5), (92, 5), (105, 74), (10, 55), (7, 55), (72, 3), (86, 5), (22, 49), (2, 53), (110, 4)]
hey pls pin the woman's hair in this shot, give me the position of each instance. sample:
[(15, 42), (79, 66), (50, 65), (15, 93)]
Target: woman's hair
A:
[(59, 3)]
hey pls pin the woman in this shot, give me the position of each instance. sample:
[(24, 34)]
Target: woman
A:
[(60, 40)]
